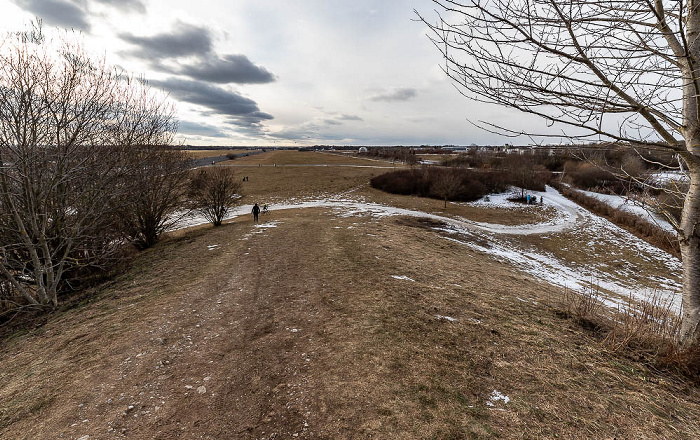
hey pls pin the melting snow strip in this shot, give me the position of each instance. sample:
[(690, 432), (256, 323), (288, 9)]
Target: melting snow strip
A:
[(402, 277), (446, 318)]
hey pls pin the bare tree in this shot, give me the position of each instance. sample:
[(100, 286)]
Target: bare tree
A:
[(157, 183), (608, 69), (62, 175), (213, 192), (156, 174), (447, 184)]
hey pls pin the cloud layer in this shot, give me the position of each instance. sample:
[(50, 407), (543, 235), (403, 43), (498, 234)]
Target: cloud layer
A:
[(239, 110), (196, 129), (228, 69), (189, 50), (62, 13), (400, 94), (74, 13), (184, 40)]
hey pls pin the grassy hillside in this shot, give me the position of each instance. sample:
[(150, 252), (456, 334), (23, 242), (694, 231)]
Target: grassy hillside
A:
[(314, 324)]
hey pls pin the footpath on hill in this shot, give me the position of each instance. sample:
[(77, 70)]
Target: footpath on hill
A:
[(312, 324)]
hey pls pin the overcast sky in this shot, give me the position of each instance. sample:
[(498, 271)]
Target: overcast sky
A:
[(282, 72)]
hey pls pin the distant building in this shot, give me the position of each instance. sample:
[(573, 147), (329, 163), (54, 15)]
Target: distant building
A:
[(362, 150)]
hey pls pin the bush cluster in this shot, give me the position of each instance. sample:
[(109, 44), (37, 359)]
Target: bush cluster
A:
[(471, 184)]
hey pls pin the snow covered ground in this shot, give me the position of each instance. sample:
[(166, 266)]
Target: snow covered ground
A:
[(662, 177), (587, 232), (632, 206)]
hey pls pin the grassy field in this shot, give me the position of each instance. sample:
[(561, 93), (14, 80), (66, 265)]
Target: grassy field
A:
[(316, 325)]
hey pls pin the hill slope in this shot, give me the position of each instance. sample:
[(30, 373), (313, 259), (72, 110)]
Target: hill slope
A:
[(326, 327), (319, 324)]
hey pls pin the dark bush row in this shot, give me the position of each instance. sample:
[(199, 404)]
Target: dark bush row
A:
[(638, 226), (435, 182)]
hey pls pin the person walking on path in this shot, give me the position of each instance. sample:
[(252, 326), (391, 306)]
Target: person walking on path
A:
[(256, 211)]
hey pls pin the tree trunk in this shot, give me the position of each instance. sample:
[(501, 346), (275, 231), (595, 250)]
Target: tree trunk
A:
[(690, 254), (689, 234)]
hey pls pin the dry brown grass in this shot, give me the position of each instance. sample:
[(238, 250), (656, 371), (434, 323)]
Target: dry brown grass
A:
[(302, 329), (646, 330), (291, 157)]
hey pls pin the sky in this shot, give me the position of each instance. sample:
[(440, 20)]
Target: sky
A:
[(282, 72)]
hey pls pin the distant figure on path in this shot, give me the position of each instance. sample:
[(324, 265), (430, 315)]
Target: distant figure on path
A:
[(256, 211)]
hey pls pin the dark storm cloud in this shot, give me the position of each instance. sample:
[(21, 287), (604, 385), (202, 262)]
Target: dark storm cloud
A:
[(228, 69), (61, 13), (196, 129), (73, 13), (184, 40), (240, 110), (126, 5), (187, 40), (403, 94)]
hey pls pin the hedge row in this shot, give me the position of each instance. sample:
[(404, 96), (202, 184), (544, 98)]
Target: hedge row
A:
[(640, 227)]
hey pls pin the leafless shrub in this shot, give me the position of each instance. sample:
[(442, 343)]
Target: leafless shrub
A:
[(157, 184), (213, 192), (583, 307), (670, 198), (650, 325), (447, 185), (633, 166), (589, 176), (648, 330)]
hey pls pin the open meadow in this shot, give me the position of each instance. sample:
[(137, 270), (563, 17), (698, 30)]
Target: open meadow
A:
[(346, 313)]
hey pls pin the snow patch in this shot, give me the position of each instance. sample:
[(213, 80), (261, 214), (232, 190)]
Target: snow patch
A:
[(268, 225), (496, 397), (446, 318), (632, 206), (402, 277)]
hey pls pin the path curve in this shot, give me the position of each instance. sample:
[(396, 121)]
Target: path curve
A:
[(568, 214)]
